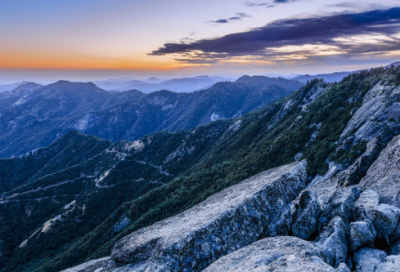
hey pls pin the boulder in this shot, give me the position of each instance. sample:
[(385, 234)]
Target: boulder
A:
[(305, 218), (362, 234), (340, 204), (343, 268), (355, 172), (284, 254), (368, 200), (367, 259), (391, 264), (384, 174), (334, 242), (394, 249), (281, 226), (385, 219), (224, 223), (395, 236)]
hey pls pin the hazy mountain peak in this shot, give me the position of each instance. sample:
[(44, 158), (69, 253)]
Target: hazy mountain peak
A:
[(395, 64)]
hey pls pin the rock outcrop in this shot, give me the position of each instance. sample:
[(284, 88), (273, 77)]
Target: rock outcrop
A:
[(391, 264), (343, 268), (340, 204), (362, 234), (284, 254), (394, 249), (384, 217), (367, 201), (359, 168), (378, 108), (334, 242), (305, 218), (103, 264), (384, 174), (224, 223), (367, 259)]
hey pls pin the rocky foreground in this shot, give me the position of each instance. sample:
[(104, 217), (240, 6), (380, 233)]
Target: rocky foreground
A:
[(273, 222)]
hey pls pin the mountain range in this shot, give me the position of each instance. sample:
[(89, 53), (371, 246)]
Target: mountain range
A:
[(307, 181), (33, 116), (333, 77), (180, 85)]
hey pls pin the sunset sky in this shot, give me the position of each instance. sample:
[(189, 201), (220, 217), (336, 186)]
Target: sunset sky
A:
[(46, 39)]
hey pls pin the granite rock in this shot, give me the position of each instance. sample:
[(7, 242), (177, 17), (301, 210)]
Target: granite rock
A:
[(305, 219), (384, 174), (367, 259), (362, 234), (224, 223), (391, 264), (343, 268), (340, 204), (334, 242), (284, 254)]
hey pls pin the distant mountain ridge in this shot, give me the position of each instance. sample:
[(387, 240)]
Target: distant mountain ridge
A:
[(180, 85), (35, 119), (12, 86), (334, 77)]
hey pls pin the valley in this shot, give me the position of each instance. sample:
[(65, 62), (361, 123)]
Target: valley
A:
[(88, 193)]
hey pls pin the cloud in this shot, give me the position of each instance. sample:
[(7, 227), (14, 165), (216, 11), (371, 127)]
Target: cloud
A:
[(220, 21), (237, 17), (269, 4), (370, 32)]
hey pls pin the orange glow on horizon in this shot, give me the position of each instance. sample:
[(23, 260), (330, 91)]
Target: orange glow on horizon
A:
[(146, 63)]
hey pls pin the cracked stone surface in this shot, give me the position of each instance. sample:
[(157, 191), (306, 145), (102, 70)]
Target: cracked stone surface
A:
[(334, 242), (305, 219), (367, 259), (286, 254), (362, 234), (384, 174), (224, 223)]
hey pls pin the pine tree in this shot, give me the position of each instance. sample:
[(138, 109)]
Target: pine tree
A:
[(398, 76)]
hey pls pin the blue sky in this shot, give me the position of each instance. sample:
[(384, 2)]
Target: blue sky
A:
[(47, 39)]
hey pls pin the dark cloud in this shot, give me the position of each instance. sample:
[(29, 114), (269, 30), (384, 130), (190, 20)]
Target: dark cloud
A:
[(297, 32), (268, 4), (220, 21), (239, 16)]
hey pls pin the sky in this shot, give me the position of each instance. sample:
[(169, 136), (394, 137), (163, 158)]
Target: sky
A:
[(98, 39)]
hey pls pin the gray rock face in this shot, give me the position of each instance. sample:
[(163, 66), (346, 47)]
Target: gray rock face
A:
[(343, 268), (384, 174), (340, 204), (362, 234), (367, 259), (305, 219), (395, 236), (385, 219), (92, 266), (367, 201), (334, 242), (391, 264), (394, 249), (378, 108), (282, 254), (225, 222), (108, 265), (359, 168), (349, 263)]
